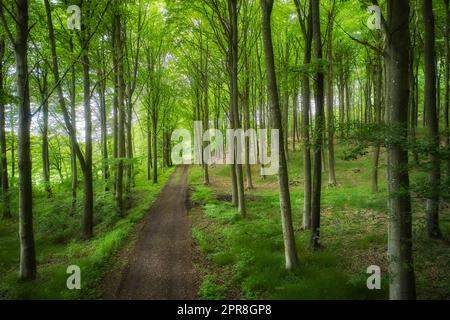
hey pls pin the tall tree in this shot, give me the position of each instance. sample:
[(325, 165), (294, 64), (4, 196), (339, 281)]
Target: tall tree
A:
[(272, 87), (318, 138), (26, 232), (330, 98), (119, 53), (305, 18), (234, 92), (434, 173), (6, 214), (447, 80), (401, 269), (43, 89)]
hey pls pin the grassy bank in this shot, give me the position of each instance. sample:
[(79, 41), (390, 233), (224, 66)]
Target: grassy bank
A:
[(244, 258), (59, 243)]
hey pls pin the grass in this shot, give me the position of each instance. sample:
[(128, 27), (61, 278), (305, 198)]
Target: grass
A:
[(58, 243), (244, 257)]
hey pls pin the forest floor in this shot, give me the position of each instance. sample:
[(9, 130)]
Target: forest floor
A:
[(242, 258), (160, 265)]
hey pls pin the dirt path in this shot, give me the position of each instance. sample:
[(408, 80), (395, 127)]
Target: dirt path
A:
[(160, 266)]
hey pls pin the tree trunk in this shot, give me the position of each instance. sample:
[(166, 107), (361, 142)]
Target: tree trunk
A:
[(88, 217), (26, 232), (285, 200), (6, 210), (45, 155), (118, 42), (378, 92), (401, 269), (318, 144), (447, 81), (306, 27), (330, 104), (236, 123), (434, 173), (73, 152), (245, 103), (155, 145)]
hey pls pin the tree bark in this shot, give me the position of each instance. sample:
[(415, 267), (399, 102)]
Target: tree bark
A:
[(236, 123), (6, 209), (73, 147), (119, 52), (306, 27), (430, 107), (88, 217), (330, 103), (26, 232), (43, 88), (318, 143), (447, 81), (285, 200), (401, 269)]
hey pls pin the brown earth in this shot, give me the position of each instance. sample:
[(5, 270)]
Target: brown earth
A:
[(160, 265)]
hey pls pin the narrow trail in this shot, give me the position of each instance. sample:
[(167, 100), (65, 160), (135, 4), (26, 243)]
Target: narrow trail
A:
[(160, 266)]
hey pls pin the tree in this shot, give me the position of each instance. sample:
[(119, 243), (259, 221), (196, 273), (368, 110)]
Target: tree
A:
[(6, 214), (318, 138), (27, 246), (434, 174), (120, 87), (305, 19), (330, 98), (401, 269), (272, 87), (43, 89), (234, 96), (447, 79)]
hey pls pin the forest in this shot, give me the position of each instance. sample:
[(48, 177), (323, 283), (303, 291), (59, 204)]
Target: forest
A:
[(115, 117)]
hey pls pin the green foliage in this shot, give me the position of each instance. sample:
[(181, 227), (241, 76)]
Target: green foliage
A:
[(59, 245)]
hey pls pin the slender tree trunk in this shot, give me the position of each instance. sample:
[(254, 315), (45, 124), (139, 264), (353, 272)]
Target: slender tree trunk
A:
[(88, 217), (73, 152), (245, 103), (233, 42), (447, 81), (45, 154), (434, 173), (306, 111), (285, 199), (70, 124), (104, 130), (401, 269), (318, 144), (6, 210), (149, 147), (26, 232), (376, 152), (155, 145), (119, 51), (330, 104), (129, 146)]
